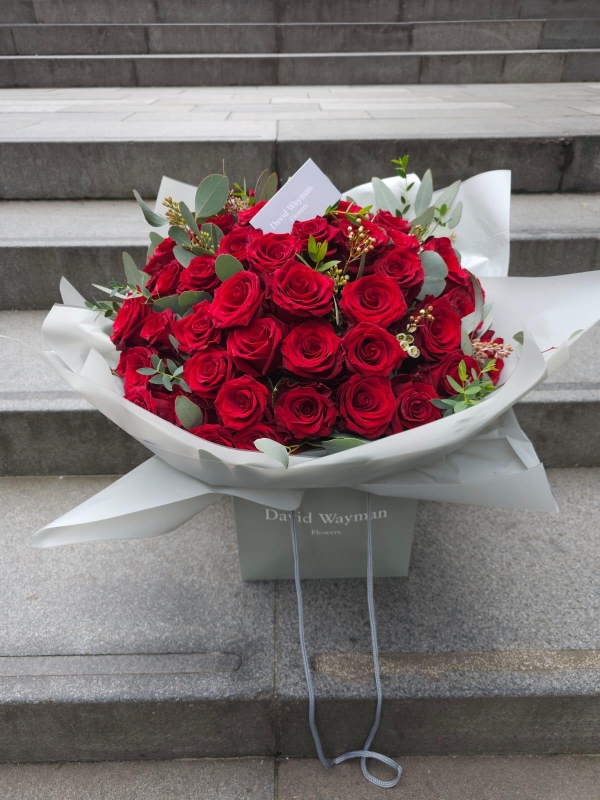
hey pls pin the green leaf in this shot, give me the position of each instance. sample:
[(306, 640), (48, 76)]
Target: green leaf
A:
[(269, 189), (462, 406), (455, 216), (519, 337), (179, 235), (189, 299), (465, 343), (174, 342), (146, 371), (423, 220), (447, 196), (322, 251), (312, 247), (471, 321), (156, 379), (273, 449), (184, 386), (155, 240), (152, 218), (424, 194), (155, 361), (443, 404), (215, 233), (132, 273), (337, 445), (167, 383), (436, 271), (162, 303), (211, 196), (189, 414), (226, 266), (189, 218), (172, 366), (454, 384), (260, 184), (183, 256), (384, 197)]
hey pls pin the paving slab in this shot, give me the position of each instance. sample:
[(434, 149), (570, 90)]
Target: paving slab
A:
[(158, 780), (465, 778)]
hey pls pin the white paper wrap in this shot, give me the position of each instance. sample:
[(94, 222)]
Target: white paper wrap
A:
[(479, 456)]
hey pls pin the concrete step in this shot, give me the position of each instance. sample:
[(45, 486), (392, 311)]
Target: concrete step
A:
[(46, 429), (429, 778), (154, 649), (300, 69), (83, 240), (102, 143), (338, 37), (164, 11)]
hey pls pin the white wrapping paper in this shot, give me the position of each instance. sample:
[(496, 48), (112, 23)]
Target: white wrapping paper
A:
[(479, 456)]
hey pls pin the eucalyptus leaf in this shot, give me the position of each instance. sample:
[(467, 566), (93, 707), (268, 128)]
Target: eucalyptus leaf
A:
[(182, 255), (226, 266), (155, 240), (179, 235), (211, 195), (455, 216), (162, 303), (152, 218), (519, 337), (189, 414), (447, 196), (384, 197), (132, 273), (156, 379), (269, 189), (488, 318), (471, 321), (465, 343), (273, 449), (189, 299), (424, 194), (337, 445), (435, 270), (424, 219), (190, 221), (260, 183), (215, 233)]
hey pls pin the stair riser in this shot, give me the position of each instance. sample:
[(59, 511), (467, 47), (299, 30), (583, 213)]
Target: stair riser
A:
[(26, 40), (185, 11), (29, 276), (60, 731), (289, 70), (65, 170), (46, 442)]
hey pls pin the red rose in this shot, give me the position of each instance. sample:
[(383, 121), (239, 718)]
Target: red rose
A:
[(437, 373), (236, 242), (302, 292), (317, 227), (224, 221), (312, 350), (391, 223), (379, 239), (272, 252), (242, 402), (218, 434), (373, 298), (490, 336), (244, 439), (165, 404), (253, 349), (129, 322), (370, 350), (164, 283), (206, 371), (403, 266), (443, 247), (162, 256), (414, 406), (305, 410), (142, 398), (366, 405), (345, 206), (246, 215), (131, 360), (198, 276), (237, 300), (157, 328), (461, 299), (197, 331), (441, 335)]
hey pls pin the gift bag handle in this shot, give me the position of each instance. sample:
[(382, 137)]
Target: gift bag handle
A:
[(365, 753)]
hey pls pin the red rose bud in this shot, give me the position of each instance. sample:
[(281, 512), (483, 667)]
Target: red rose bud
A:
[(244, 439), (237, 300), (440, 336), (206, 371), (437, 373), (129, 322), (158, 327), (236, 242), (392, 224), (302, 292), (224, 222), (197, 331), (317, 227), (403, 266), (271, 252), (366, 405), (165, 403), (142, 398), (246, 215), (373, 298), (242, 402), (414, 406), (165, 282), (312, 350), (305, 410), (162, 256), (254, 349), (130, 361), (217, 434), (371, 350), (199, 276)]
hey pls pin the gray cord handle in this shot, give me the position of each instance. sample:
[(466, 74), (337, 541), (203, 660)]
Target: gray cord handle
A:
[(365, 753)]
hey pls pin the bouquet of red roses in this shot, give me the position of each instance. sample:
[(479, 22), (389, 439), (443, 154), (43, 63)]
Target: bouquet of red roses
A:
[(348, 328)]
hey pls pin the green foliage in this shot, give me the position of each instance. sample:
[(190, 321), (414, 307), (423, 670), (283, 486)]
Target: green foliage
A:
[(189, 414), (273, 449), (165, 372), (385, 198), (226, 266), (471, 390), (435, 270), (152, 218), (424, 193), (338, 444), (155, 240), (132, 274), (211, 196)]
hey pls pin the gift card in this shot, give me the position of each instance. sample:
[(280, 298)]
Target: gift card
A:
[(306, 195)]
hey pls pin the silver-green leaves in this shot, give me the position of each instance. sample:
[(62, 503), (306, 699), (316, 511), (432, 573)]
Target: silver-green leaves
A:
[(337, 445), (226, 266), (211, 196), (424, 194), (266, 186), (133, 275), (384, 197), (152, 218), (273, 449), (188, 413), (436, 271)]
